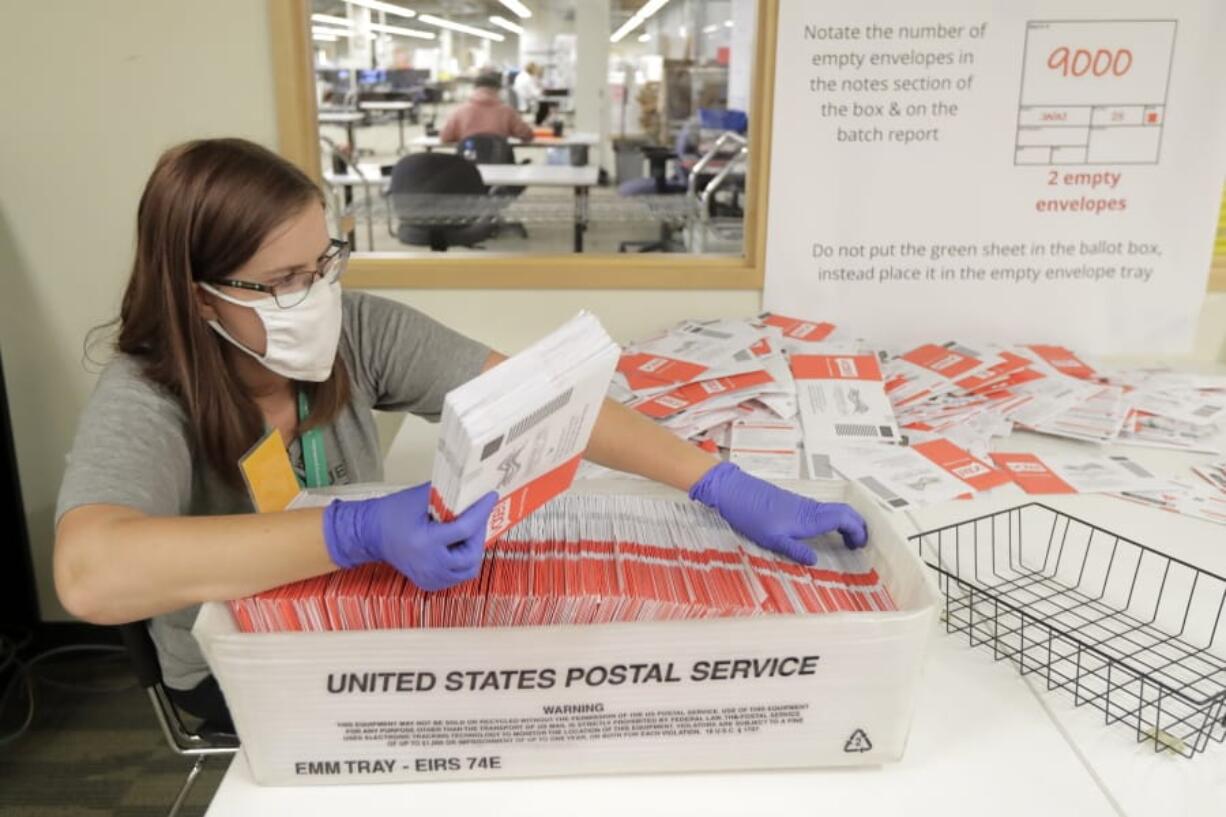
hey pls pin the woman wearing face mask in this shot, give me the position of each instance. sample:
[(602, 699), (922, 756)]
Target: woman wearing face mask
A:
[(234, 322)]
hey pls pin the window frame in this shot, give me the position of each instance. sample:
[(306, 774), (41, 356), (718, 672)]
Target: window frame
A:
[(294, 77)]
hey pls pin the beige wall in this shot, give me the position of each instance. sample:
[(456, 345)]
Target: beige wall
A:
[(105, 89)]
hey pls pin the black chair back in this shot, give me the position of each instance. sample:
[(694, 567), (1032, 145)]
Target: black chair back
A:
[(490, 149), (487, 149), (426, 190)]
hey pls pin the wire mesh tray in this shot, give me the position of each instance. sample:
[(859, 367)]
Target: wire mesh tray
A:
[(1133, 632)]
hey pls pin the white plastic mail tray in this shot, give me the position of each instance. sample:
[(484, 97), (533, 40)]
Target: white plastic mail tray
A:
[(835, 689)]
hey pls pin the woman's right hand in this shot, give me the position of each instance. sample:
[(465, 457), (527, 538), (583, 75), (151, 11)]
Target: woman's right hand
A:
[(398, 529)]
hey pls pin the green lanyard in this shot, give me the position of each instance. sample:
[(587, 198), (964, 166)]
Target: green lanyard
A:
[(313, 453)]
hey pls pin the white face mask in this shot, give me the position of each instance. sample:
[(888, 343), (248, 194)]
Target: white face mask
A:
[(300, 342)]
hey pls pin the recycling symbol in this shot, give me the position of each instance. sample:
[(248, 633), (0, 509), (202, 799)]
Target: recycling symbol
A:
[(858, 742)]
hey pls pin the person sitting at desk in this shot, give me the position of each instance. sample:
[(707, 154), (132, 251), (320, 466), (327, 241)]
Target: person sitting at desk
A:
[(485, 112)]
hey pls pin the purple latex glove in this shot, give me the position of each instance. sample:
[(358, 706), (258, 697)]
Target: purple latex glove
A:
[(398, 529), (776, 519)]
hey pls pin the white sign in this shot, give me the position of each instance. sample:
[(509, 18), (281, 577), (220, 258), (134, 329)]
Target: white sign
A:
[(1046, 171)]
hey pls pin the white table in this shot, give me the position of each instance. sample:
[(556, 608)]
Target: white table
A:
[(346, 119), (578, 141), (580, 179), (978, 739), (984, 741), (401, 107), (500, 175), (1140, 782)]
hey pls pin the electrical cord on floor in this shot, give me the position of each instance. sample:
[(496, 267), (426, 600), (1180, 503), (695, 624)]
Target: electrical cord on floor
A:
[(24, 677), (9, 648)]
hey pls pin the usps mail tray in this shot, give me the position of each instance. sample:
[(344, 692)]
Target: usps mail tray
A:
[(777, 691)]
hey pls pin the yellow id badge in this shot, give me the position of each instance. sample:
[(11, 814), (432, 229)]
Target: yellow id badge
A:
[(270, 479)]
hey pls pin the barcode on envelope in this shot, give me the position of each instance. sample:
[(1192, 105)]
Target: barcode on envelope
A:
[(709, 333), (1133, 467), (889, 497), (862, 430), (820, 467), (556, 404)]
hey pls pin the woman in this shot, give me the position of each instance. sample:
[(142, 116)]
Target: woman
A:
[(233, 322), (527, 87)]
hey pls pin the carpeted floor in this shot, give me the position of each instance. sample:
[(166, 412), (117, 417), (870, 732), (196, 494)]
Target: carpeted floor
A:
[(93, 747)]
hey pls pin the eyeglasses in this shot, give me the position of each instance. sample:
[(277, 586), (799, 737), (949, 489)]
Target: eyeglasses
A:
[(291, 288)]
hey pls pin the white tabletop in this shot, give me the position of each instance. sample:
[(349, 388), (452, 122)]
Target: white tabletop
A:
[(387, 105), (502, 175), (540, 175), (984, 740), (980, 744), (1141, 782), (573, 139), (350, 179), (340, 118)]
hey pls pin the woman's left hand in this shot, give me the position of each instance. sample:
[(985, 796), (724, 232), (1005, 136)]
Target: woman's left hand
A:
[(774, 518)]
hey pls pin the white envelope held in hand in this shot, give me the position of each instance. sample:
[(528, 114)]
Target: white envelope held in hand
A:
[(520, 428)]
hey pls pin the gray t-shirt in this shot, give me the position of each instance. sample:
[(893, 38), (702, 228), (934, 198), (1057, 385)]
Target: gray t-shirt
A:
[(133, 446)]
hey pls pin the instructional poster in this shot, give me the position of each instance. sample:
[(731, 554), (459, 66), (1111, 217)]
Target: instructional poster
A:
[(1032, 172)]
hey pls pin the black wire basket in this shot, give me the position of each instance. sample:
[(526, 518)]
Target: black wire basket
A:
[(1130, 631)]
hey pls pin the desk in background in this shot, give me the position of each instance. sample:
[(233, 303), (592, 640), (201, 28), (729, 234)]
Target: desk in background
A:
[(346, 119), (579, 142), (400, 107), (580, 179)]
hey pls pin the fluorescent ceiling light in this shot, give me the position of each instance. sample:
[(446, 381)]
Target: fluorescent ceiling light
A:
[(324, 38), (727, 24), (328, 18), (646, 10), (430, 19), (352, 34), (503, 22), (711, 28), (404, 32), (644, 37), (517, 7), (387, 8)]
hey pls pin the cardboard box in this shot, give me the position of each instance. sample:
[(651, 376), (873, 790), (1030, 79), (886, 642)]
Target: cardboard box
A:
[(741, 693)]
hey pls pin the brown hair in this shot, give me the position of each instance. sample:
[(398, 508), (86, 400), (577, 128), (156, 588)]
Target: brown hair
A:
[(206, 210)]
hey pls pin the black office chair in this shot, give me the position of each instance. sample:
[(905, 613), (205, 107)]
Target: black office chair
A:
[(201, 743), (438, 200), (494, 149), (490, 149)]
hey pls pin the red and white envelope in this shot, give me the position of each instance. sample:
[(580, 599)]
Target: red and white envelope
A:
[(1074, 473), (685, 353), (520, 428), (927, 371), (924, 474), (841, 399), (586, 559)]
